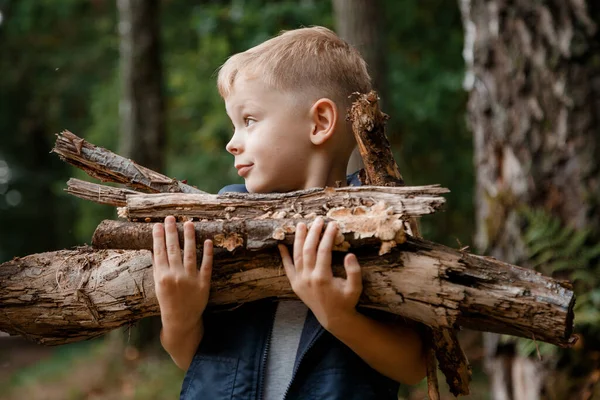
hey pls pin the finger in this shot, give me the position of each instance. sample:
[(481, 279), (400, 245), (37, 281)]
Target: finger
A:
[(207, 263), (172, 241), (299, 240), (353, 273), (309, 252), (189, 248), (323, 264), (159, 250), (288, 263)]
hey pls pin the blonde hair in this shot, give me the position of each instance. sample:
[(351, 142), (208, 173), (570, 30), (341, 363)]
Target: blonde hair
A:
[(313, 61)]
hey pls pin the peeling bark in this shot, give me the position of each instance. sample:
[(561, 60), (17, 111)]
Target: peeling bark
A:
[(70, 295), (405, 202)]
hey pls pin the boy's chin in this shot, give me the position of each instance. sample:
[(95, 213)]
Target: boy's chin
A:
[(252, 186), (256, 187)]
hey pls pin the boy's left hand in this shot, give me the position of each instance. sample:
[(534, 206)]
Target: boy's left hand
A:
[(331, 299)]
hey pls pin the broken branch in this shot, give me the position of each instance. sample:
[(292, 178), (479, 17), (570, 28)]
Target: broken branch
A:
[(107, 166)]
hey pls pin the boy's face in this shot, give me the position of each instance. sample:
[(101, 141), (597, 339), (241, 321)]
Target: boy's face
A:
[(271, 140)]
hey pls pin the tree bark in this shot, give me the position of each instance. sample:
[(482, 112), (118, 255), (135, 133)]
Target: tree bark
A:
[(368, 125), (251, 235), (413, 201), (71, 295), (101, 194), (107, 166), (403, 201), (534, 82)]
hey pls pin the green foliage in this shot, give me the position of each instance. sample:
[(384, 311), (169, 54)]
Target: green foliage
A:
[(554, 248), (565, 252), (52, 56), (562, 252), (427, 108)]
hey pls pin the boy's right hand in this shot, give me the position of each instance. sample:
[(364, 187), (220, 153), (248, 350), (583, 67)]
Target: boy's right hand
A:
[(182, 291)]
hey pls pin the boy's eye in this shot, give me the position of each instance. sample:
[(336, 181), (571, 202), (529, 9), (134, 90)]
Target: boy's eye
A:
[(249, 121)]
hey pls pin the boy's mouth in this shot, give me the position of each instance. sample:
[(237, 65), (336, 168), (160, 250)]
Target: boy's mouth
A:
[(243, 169)]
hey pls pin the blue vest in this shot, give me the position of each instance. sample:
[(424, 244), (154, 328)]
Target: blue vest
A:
[(231, 360)]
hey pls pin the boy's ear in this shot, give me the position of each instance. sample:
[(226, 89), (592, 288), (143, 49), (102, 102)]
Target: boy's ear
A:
[(323, 116)]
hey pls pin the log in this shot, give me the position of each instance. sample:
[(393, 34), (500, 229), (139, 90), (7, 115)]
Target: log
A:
[(251, 235), (368, 126), (110, 167), (70, 295), (405, 201)]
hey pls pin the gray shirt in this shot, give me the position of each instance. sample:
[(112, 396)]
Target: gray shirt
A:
[(285, 337)]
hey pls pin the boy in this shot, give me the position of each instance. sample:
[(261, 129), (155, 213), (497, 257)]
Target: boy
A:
[(287, 99)]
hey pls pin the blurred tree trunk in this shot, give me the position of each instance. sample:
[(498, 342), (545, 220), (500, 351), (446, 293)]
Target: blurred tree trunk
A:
[(141, 107), (534, 81), (360, 23)]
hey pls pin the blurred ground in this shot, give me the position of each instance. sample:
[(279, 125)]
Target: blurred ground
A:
[(97, 369), (105, 369)]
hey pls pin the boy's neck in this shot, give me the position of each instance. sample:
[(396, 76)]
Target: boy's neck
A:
[(326, 176)]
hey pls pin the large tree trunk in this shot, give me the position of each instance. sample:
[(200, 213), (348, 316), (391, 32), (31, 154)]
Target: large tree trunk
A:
[(534, 82), (141, 109), (360, 23)]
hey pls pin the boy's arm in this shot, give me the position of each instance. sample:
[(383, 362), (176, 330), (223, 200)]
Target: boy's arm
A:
[(182, 342), (392, 349), (181, 289)]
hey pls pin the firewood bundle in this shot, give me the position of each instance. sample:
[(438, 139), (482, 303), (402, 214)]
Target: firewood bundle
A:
[(70, 295)]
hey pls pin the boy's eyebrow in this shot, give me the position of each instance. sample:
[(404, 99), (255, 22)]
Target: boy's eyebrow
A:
[(244, 105)]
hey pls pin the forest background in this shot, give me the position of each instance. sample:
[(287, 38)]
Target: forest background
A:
[(60, 69)]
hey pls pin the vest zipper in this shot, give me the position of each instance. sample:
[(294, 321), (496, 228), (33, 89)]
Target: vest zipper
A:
[(300, 362), (263, 367)]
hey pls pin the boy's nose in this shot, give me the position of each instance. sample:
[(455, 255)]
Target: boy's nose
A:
[(234, 146)]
